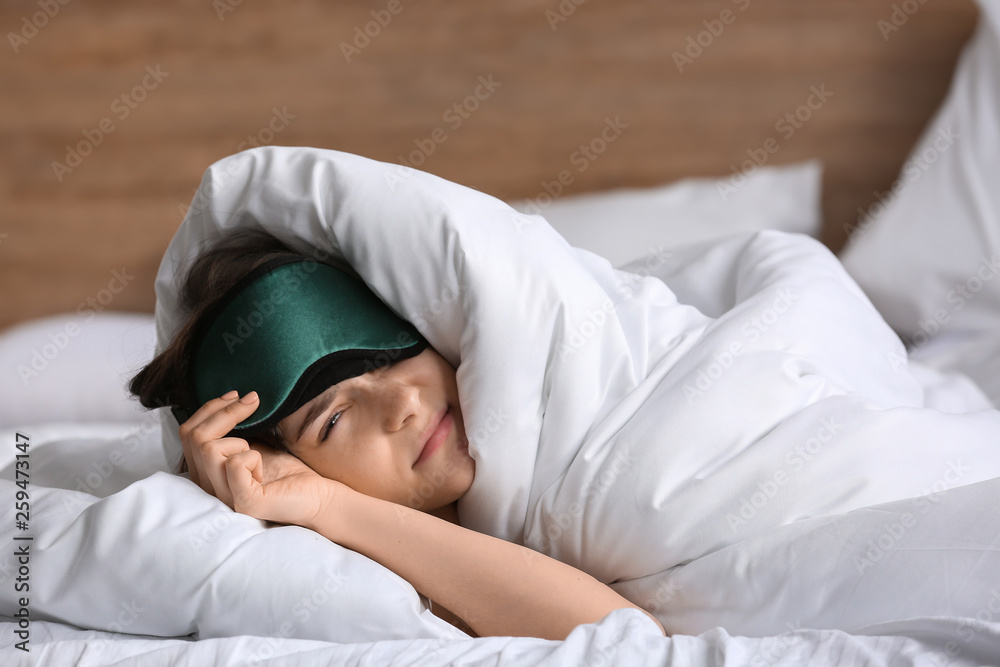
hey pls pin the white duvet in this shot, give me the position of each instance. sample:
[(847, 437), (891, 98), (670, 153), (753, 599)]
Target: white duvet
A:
[(735, 441), (724, 476), (627, 432)]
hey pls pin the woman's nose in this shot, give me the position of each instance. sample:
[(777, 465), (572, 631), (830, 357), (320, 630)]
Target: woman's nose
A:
[(400, 401)]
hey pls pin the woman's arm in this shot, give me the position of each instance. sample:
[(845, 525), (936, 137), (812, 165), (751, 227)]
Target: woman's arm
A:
[(497, 587), (446, 614)]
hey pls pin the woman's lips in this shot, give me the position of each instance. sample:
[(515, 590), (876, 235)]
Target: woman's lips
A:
[(437, 437)]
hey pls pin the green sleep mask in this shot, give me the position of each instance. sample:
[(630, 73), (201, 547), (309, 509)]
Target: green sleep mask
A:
[(290, 329)]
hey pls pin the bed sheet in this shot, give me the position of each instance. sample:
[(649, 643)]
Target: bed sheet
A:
[(621, 638)]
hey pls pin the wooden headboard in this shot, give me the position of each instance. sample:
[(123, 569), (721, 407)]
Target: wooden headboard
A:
[(113, 109)]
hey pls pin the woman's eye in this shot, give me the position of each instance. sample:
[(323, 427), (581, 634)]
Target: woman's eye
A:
[(330, 424)]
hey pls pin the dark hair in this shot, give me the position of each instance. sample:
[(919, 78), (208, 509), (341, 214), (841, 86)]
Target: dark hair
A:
[(163, 381)]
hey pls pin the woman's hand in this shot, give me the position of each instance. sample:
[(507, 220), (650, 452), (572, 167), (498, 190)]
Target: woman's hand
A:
[(255, 480)]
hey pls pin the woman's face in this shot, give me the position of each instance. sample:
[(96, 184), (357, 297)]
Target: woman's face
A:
[(385, 441)]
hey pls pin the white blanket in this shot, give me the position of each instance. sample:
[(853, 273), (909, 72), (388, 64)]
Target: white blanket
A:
[(622, 638), (638, 436), (742, 444), (696, 488)]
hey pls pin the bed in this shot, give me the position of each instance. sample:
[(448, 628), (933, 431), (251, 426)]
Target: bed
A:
[(768, 560)]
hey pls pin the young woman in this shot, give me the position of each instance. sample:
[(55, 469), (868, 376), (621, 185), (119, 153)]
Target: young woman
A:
[(375, 462)]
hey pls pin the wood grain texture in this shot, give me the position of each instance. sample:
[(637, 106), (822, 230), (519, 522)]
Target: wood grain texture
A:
[(119, 208)]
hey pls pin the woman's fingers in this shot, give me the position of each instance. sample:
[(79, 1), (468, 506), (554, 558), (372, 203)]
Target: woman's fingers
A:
[(189, 459), (211, 406), (244, 475), (215, 455), (201, 433), (219, 416), (192, 459)]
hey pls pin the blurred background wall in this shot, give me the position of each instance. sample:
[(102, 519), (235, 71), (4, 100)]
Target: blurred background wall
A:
[(112, 111)]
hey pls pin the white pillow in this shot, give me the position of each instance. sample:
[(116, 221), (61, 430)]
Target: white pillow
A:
[(626, 224), (939, 234), (162, 557), (74, 368)]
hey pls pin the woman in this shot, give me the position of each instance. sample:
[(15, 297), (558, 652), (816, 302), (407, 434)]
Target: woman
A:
[(375, 461)]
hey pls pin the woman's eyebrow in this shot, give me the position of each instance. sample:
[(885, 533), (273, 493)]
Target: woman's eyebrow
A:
[(318, 408)]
